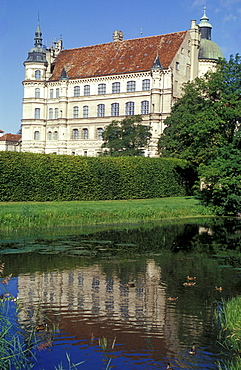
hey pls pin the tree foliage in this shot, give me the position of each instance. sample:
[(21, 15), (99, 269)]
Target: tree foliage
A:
[(127, 137), (221, 185), (207, 117)]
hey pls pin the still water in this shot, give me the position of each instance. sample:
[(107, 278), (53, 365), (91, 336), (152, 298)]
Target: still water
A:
[(116, 298)]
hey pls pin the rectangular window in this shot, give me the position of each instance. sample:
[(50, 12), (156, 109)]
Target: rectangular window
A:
[(38, 74), (101, 110), (146, 85), (76, 91), (37, 93), (131, 86), (76, 112), (130, 108), (57, 93), (51, 93), (115, 87), (75, 134), (87, 90), (51, 113), (85, 134), (101, 89), (145, 107), (56, 113), (85, 111), (99, 133), (37, 113), (115, 109)]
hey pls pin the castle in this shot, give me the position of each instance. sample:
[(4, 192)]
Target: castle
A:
[(70, 95)]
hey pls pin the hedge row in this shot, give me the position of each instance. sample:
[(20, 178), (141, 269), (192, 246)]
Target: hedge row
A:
[(42, 177)]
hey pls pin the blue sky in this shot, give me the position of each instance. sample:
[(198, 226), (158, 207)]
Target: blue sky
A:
[(90, 22)]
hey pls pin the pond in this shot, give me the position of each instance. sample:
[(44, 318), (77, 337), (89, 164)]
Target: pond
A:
[(121, 297)]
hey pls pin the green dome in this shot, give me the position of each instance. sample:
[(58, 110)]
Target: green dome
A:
[(209, 50)]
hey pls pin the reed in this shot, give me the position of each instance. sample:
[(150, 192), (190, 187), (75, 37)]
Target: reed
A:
[(229, 318), (42, 215)]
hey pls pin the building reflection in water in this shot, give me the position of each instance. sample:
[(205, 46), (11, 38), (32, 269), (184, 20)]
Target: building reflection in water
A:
[(86, 303)]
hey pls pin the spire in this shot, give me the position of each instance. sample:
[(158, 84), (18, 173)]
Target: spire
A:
[(157, 63), (205, 26), (37, 53), (38, 37)]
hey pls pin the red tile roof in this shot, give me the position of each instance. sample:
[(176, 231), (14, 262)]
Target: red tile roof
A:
[(10, 137), (118, 57)]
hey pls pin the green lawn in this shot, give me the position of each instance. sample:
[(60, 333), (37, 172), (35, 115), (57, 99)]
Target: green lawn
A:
[(27, 215)]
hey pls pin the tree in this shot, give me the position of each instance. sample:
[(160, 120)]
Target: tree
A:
[(222, 182), (127, 137), (207, 116)]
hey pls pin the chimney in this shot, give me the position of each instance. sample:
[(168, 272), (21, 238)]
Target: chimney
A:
[(118, 36)]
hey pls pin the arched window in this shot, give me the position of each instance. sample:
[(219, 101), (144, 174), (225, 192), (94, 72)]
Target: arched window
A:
[(36, 135), (99, 133), (130, 108), (146, 85), (85, 111), (56, 135), (37, 92), (115, 87), (101, 89), (76, 91), (87, 90), (131, 86), (49, 135), (51, 93), (51, 113), (85, 134), (76, 112), (56, 113), (37, 113), (37, 74), (115, 109), (145, 107), (101, 110), (75, 134)]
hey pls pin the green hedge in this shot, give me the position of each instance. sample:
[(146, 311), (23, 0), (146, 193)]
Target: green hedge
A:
[(42, 177)]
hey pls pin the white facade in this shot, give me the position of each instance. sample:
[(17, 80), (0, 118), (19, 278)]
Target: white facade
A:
[(66, 113)]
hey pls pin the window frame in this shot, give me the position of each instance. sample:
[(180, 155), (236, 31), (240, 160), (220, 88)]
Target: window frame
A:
[(99, 133), (36, 113), (75, 111), (75, 133), (146, 84), (76, 91), (145, 107), (85, 134), (101, 110), (37, 93), (85, 111), (101, 89), (131, 86), (130, 108), (37, 74), (115, 109), (115, 87), (86, 90)]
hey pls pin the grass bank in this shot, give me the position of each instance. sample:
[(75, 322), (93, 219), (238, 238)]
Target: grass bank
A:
[(42, 215), (230, 332)]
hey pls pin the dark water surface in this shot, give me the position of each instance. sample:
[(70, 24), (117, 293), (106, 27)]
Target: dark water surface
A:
[(75, 286)]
